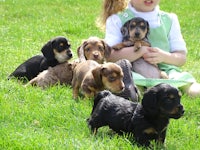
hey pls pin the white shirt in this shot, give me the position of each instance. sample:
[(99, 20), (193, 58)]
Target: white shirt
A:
[(113, 25)]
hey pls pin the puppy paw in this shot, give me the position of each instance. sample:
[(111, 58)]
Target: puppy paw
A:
[(164, 75), (117, 47)]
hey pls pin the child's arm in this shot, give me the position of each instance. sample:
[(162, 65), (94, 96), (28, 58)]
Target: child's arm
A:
[(156, 55), (127, 53)]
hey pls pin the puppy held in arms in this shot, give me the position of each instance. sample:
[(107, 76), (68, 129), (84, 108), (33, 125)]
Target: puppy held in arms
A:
[(147, 121), (92, 77), (135, 33)]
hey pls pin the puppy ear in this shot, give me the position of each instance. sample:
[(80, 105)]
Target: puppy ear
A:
[(148, 30), (47, 50), (97, 75), (150, 102), (107, 49), (100, 96), (80, 52), (70, 66), (125, 30)]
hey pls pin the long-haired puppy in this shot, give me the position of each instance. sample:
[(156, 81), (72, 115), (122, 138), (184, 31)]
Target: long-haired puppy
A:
[(92, 77), (55, 51), (59, 74), (147, 121), (95, 49), (135, 33)]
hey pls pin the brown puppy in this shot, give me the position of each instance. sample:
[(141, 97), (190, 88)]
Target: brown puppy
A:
[(91, 77), (60, 74), (135, 32), (94, 48)]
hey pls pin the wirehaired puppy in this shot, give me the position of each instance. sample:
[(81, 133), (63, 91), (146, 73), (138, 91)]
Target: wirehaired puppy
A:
[(92, 77), (55, 51), (147, 121), (59, 74), (135, 33), (95, 49)]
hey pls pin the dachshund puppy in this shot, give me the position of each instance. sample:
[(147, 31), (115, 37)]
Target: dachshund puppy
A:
[(147, 121), (95, 49), (55, 51), (135, 33), (59, 74), (92, 77)]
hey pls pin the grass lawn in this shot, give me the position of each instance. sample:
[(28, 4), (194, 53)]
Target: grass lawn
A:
[(31, 118)]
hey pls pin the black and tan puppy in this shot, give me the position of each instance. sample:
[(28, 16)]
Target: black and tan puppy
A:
[(147, 121), (95, 49), (135, 33), (55, 51), (92, 77)]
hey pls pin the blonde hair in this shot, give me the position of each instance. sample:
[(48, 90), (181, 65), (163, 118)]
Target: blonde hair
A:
[(110, 7)]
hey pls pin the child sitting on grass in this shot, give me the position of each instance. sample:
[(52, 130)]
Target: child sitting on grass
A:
[(168, 49)]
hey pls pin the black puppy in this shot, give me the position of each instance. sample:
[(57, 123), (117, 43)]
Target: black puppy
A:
[(55, 51), (147, 121)]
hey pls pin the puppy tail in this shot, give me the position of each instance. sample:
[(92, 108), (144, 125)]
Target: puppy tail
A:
[(99, 96)]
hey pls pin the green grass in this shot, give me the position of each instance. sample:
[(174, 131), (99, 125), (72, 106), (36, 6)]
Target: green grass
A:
[(31, 118)]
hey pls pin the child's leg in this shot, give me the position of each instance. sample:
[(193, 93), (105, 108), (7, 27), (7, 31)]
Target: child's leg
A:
[(130, 92), (192, 90)]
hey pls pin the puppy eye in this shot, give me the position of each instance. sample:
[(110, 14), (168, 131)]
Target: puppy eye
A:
[(68, 46), (87, 49), (132, 26), (100, 48), (111, 79), (169, 101), (142, 27)]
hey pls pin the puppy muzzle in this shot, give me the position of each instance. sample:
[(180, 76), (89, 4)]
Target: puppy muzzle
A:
[(95, 53), (180, 112), (69, 54)]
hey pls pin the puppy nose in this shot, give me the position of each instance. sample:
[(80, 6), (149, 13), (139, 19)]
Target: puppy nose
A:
[(96, 55), (137, 34), (181, 109), (69, 54), (123, 87)]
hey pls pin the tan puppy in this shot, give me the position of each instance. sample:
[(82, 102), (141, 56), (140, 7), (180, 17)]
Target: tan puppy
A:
[(60, 74), (94, 48), (91, 77)]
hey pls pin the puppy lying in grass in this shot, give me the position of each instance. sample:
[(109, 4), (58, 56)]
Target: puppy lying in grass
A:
[(92, 77), (55, 52), (60, 74)]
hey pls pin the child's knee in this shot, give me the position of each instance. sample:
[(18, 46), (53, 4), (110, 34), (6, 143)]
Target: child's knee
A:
[(192, 90)]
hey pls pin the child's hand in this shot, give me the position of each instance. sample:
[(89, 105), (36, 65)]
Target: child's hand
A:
[(154, 55)]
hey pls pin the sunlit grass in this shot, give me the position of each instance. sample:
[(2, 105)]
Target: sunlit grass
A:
[(31, 118)]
